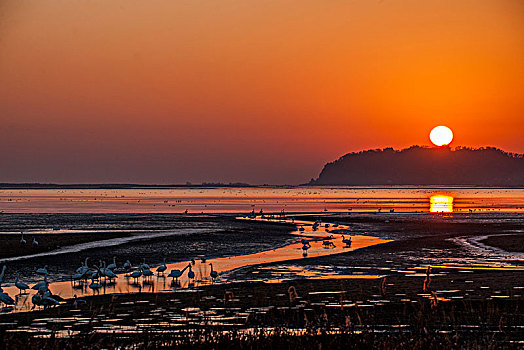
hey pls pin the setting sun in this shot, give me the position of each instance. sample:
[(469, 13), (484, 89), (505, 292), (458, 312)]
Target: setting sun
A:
[(441, 136)]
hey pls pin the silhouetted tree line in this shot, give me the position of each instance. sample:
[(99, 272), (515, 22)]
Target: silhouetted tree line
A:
[(419, 165)]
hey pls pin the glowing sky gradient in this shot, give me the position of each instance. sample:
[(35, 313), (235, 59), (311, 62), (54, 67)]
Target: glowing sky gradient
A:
[(255, 91)]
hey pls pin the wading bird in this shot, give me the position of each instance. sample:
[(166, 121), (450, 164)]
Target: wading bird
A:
[(6, 299), (175, 274), (213, 274), (44, 299), (78, 276), (48, 301), (41, 286), (305, 248), (20, 285), (94, 275), (42, 271), (346, 241), (136, 275), (35, 299), (83, 269), (144, 265), (162, 268), (94, 285), (113, 265), (190, 273), (147, 273), (109, 274), (328, 244)]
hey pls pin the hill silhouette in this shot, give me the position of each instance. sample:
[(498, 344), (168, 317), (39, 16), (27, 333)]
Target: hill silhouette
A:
[(425, 166)]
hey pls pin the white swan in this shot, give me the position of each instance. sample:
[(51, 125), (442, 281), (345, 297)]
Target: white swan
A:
[(213, 274), (112, 266), (144, 265), (20, 285), (78, 276), (177, 273), (6, 299), (49, 301), (190, 273), (109, 274), (94, 285), (36, 299), (147, 273), (346, 241), (162, 268), (136, 275), (102, 268), (42, 271), (328, 244), (83, 269), (94, 275), (305, 248), (41, 286)]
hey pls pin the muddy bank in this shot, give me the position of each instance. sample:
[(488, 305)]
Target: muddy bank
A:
[(509, 243), (12, 246), (455, 300), (215, 236), (419, 239), (388, 306)]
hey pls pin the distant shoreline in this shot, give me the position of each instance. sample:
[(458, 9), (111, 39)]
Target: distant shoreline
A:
[(17, 186), (41, 186)]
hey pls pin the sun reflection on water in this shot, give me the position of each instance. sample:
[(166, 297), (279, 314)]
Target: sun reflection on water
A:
[(441, 203)]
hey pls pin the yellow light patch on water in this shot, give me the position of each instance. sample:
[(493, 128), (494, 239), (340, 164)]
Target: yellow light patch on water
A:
[(441, 203)]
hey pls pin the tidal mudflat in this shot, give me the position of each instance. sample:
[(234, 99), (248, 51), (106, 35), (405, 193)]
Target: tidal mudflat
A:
[(375, 279)]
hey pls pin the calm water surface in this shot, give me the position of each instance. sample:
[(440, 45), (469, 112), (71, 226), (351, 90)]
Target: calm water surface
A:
[(268, 199)]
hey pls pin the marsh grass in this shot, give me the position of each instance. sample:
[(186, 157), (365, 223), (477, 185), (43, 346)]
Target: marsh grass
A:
[(424, 327), (292, 318)]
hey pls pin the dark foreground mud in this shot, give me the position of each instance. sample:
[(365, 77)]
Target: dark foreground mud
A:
[(391, 313), (381, 299)]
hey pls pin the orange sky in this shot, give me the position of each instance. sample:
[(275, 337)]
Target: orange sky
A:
[(256, 91)]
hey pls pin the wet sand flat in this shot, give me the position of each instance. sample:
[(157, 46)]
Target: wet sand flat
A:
[(510, 243), (46, 242), (357, 286), (202, 236)]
